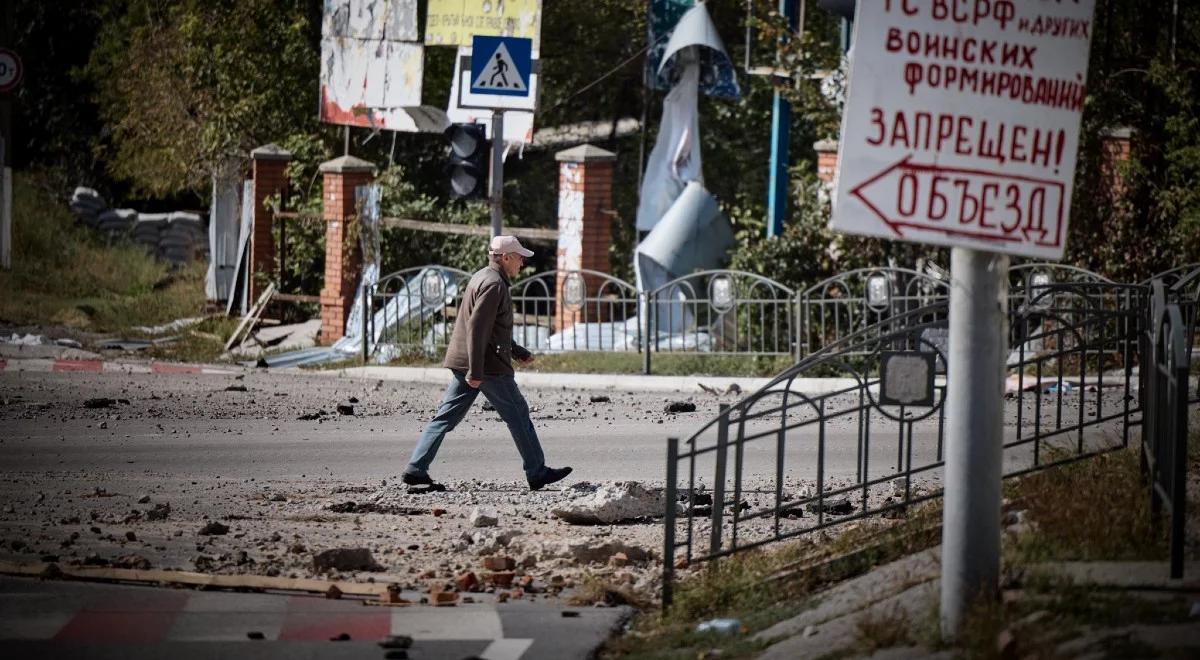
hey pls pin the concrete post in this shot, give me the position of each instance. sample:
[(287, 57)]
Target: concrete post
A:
[(269, 168), (585, 180), (974, 433), (342, 256)]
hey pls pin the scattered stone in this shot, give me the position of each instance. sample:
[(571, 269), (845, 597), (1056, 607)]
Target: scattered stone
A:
[(839, 506), (618, 559), (278, 497), (499, 563), (135, 562), (254, 634), (371, 507), (297, 549), (99, 402), (144, 499), (130, 536), (484, 516), (680, 407), (466, 581), (345, 409), (612, 503), (345, 559), (333, 593), (397, 642), (501, 579), (585, 550), (94, 559), (570, 614), (159, 512), (214, 528), (600, 398), (309, 417), (103, 425), (438, 513)]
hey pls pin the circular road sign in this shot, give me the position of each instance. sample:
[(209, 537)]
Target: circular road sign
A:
[(10, 70)]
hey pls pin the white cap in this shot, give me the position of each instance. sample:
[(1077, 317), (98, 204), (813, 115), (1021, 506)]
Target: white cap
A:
[(508, 244)]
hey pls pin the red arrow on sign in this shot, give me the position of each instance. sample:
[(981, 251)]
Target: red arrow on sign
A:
[(966, 203)]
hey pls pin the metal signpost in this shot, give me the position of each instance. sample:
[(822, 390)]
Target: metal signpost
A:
[(961, 129), (501, 76)]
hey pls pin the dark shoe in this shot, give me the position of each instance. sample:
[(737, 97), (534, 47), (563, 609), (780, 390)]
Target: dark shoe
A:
[(548, 477), (417, 480)]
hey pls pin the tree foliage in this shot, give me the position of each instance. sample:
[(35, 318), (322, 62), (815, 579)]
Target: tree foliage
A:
[(185, 86)]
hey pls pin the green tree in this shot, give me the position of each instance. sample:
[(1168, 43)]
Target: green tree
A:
[(183, 87)]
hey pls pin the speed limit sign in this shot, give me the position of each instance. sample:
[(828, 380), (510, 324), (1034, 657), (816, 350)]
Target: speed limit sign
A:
[(10, 70)]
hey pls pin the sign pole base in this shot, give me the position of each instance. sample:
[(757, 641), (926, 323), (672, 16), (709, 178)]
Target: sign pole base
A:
[(497, 170), (974, 433)]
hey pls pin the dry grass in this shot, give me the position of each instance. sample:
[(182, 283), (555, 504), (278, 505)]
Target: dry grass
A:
[(883, 628), (1092, 509)]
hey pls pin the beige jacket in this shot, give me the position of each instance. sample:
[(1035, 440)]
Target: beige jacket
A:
[(482, 343)]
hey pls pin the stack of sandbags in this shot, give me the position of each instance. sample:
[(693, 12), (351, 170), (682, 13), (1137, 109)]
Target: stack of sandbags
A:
[(148, 230), (184, 238), (116, 222), (87, 205)]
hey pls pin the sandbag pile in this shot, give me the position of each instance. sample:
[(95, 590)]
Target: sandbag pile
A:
[(178, 237), (87, 205)]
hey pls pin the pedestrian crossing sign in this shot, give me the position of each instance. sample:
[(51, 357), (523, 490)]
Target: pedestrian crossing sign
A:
[(501, 65)]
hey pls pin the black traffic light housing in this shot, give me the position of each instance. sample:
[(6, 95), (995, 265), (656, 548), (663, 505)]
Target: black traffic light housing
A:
[(843, 8), (469, 159)]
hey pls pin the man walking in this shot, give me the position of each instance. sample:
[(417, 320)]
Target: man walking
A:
[(480, 358)]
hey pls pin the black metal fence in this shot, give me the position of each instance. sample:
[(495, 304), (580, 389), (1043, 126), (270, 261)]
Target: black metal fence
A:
[(717, 312), (783, 462)]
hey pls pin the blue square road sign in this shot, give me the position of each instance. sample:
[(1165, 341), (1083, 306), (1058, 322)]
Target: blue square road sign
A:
[(501, 65)]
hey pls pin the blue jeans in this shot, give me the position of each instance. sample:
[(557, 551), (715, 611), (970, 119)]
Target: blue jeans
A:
[(503, 393)]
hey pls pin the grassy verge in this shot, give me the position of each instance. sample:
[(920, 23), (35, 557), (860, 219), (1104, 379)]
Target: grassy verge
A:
[(763, 587), (65, 274), (622, 363)]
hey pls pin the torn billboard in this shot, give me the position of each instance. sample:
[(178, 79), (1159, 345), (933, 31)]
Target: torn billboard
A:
[(454, 22), (372, 66)]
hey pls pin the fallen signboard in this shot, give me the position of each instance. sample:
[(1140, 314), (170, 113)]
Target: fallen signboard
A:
[(962, 123)]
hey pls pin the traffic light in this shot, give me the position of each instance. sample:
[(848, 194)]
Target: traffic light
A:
[(469, 157), (843, 8)]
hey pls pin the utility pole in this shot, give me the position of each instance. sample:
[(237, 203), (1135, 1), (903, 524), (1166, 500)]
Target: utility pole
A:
[(974, 432)]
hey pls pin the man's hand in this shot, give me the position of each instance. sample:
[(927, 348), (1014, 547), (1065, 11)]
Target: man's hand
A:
[(527, 361), (474, 382)]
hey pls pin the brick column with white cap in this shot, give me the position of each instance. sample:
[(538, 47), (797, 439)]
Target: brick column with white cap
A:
[(269, 164), (585, 209), (342, 257)]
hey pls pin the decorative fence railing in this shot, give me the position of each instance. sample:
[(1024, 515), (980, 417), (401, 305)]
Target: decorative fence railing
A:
[(720, 312), (723, 312), (782, 462), (598, 312), (1165, 431)]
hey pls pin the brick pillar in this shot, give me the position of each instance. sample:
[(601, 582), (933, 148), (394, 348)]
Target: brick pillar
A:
[(270, 178), (585, 178), (1116, 146), (342, 258)]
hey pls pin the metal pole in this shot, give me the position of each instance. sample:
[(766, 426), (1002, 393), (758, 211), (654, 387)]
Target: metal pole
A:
[(669, 524), (6, 219), (497, 180), (974, 433), (781, 122)]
